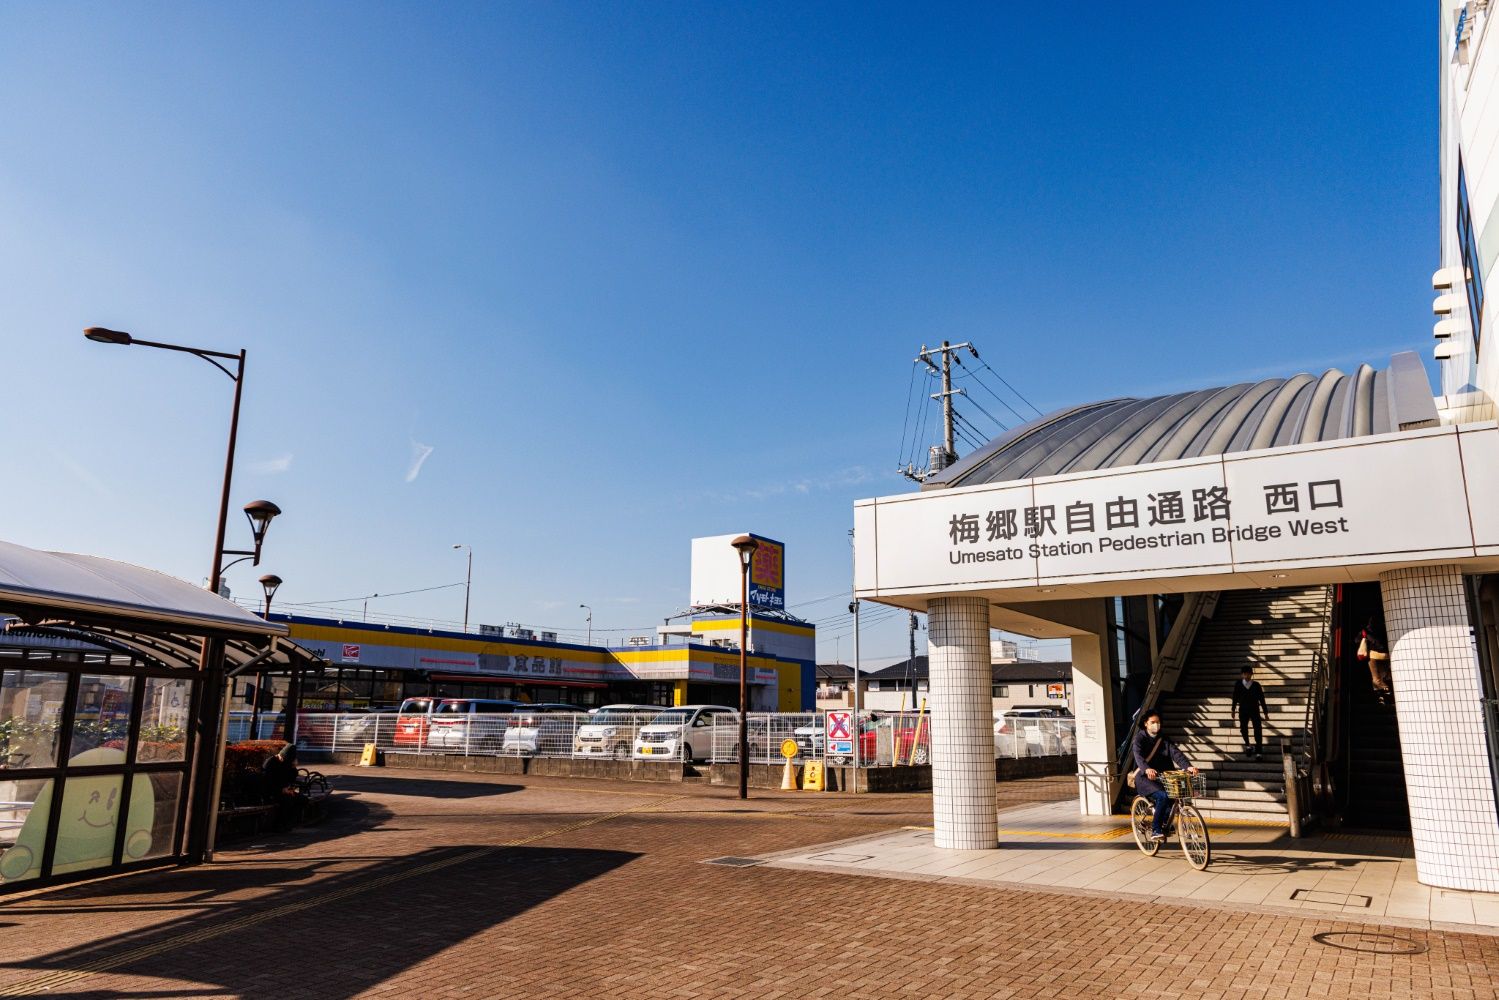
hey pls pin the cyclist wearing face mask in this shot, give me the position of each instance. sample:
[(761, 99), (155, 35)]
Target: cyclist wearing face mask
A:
[(1154, 753)]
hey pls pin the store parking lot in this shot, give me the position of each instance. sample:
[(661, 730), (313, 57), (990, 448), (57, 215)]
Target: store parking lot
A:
[(454, 885)]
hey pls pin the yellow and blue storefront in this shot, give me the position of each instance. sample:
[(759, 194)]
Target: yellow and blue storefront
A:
[(373, 666)]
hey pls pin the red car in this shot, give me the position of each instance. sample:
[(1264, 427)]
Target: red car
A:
[(870, 742), (412, 720)]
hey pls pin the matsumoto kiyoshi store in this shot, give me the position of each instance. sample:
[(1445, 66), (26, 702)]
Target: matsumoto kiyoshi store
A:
[(1276, 523)]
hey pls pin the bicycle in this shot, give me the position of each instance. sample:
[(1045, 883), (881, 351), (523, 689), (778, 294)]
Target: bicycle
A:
[(1187, 824)]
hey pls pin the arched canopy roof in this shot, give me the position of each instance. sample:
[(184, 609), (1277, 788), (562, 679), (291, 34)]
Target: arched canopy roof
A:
[(1116, 433)]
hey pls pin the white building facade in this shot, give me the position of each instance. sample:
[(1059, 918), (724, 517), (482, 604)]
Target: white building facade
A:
[(1364, 483)]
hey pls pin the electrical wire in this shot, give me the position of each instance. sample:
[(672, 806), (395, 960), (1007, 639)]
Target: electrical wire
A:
[(910, 386), (1016, 391), (986, 413)]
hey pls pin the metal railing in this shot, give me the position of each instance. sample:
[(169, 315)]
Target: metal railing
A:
[(1034, 737), (1166, 672), (267, 727), (614, 735), (885, 739), (1316, 711)]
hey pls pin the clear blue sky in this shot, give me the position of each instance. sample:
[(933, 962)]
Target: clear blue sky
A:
[(639, 272)]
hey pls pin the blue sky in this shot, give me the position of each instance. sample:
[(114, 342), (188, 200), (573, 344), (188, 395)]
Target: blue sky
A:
[(630, 273)]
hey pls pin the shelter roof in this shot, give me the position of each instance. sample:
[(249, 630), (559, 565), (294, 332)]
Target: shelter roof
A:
[(1274, 412), (39, 585)]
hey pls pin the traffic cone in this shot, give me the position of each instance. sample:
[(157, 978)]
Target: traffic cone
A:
[(788, 778)]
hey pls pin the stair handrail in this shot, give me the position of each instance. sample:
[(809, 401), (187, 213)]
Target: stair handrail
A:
[(1167, 671), (1321, 684)]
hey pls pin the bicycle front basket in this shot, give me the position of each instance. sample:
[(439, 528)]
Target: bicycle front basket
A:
[(1182, 785)]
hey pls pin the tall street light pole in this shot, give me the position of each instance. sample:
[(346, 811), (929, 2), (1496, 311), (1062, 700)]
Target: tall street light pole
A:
[(210, 662), (745, 546), (468, 581), (590, 622)]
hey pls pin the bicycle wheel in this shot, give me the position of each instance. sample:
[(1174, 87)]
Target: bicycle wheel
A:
[(1141, 814), (1192, 831)]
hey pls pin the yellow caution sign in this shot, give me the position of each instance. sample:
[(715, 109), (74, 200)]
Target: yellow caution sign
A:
[(788, 748), (367, 759), (812, 776)]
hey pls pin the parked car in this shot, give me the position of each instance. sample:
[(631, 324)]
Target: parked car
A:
[(903, 733), (686, 732), (611, 730), (541, 728), (358, 726), (1033, 732), (453, 726), (412, 718)]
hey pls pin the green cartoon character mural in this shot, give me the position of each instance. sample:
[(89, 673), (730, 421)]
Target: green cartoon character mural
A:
[(86, 825)]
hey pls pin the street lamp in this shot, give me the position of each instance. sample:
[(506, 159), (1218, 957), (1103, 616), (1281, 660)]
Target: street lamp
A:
[(468, 581), (210, 661), (745, 546), (590, 622), (268, 584)]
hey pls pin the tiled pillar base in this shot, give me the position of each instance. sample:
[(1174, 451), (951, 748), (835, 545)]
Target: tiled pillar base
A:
[(964, 807), (1438, 701)]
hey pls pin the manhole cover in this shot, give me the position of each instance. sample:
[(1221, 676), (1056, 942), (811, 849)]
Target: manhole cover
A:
[(1369, 941), (735, 862), (1337, 898), (842, 859)]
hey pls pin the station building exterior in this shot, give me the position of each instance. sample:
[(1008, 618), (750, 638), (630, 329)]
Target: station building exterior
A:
[(1174, 539)]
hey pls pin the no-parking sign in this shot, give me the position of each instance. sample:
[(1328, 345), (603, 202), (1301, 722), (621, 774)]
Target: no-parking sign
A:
[(839, 733)]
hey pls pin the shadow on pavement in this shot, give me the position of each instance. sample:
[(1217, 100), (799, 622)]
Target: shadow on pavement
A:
[(350, 931), (420, 785)]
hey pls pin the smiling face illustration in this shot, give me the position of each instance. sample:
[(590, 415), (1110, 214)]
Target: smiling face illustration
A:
[(86, 823), (99, 812)]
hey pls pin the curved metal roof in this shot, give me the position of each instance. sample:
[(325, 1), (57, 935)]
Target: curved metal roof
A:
[(1251, 415), (91, 587)]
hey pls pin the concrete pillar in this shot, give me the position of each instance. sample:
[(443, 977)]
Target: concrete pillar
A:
[(964, 808), (1091, 694), (1438, 700)]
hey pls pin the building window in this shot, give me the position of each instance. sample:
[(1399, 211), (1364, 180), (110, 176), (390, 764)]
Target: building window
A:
[(1001, 690), (1467, 242), (874, 685)]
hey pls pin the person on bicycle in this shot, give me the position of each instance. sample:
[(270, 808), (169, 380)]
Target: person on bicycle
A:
[(1153, 754)]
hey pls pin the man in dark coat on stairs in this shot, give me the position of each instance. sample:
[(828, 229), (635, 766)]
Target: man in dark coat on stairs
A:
[(1249, 706)]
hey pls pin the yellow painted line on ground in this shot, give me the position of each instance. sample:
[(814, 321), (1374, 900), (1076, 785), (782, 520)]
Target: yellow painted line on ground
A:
[(66, 977), (1111, 834)]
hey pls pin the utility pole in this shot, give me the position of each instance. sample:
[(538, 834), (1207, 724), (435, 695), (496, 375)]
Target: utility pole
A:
[(911, 662), (947, 454), (853, 606)]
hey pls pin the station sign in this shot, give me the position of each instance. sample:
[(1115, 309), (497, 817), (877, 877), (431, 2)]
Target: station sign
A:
[(1379, 499)]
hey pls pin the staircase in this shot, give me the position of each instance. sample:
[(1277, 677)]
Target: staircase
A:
[(1280, 633), (1376, 777)]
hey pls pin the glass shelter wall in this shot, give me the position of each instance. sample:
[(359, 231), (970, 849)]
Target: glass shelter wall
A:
[(93, 758)]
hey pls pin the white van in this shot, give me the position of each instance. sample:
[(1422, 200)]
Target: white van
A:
[(686, 732)]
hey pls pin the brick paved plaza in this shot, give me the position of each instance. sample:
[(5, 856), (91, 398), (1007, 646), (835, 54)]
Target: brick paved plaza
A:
[(433, 886)]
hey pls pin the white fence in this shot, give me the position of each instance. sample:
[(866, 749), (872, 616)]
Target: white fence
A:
[(884, 739)]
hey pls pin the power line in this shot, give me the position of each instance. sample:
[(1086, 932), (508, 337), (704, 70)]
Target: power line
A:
[(986, 413), (397, 593), (1016, 391), (910, 386), (1002, 401)]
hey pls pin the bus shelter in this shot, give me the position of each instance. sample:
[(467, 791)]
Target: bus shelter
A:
[(110, 676)]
